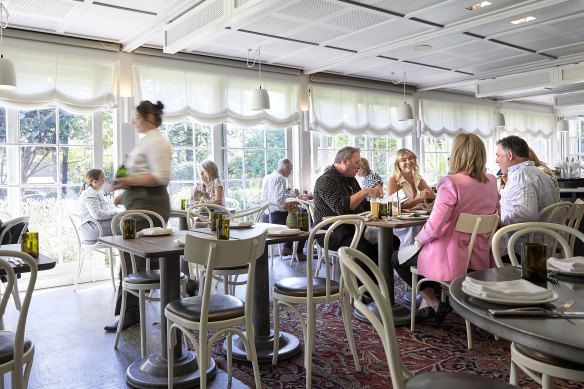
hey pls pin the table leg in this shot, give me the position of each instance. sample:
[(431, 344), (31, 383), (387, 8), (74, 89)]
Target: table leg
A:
[(401, 315), (264, 336), (152, 371)]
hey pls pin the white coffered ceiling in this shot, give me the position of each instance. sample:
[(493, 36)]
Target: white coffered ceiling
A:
[(359, 38)]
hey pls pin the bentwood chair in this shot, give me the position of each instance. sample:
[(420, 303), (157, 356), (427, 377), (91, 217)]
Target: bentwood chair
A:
[(468, 224), (16, 351), (539, 366), (311, 290), (12, 234), (216, 312), (564, 213), (401, 377), (138, 282), (94, 245)]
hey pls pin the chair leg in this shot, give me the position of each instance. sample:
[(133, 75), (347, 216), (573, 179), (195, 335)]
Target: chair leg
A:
[(142, 323), (229, 359), (413, 303), (468, 335), (79, 267), (171, 341), (276, 311), (309, 343), (16, 295), (203, 362), (112, 265), (121, 318), (547, 381), (349, 329)]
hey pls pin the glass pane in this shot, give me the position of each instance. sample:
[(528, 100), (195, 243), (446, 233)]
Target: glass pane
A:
[(325, 158), (68, 242), (361, 142), (234, 164), (253, 137), (341, 141), (429, 164), (380, 163), (442, 144), (380, 143), (179, 191), (254, 164), (38, 165), (234, 189), (275, 139), (273, 157), (442, 164), (40, 203), (108, 144), (203, 155), (75, 129), (74, 162), (3, 166), (253, 193), (182, 165), (2, 125), (233, 136), (202, 136), (38, 126), (181, 134)]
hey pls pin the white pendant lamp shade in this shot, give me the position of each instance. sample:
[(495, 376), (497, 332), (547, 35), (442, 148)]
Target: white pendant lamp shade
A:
[(404, 112), (499, 120), (563, 126), (7, 74), (260, 100)]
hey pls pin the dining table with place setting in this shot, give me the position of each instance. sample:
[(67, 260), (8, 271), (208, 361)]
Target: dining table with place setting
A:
[(43, 262)]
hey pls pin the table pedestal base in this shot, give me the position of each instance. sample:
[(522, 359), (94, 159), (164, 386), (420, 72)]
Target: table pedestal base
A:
[(401, 315), (152, 372), (289, 347)]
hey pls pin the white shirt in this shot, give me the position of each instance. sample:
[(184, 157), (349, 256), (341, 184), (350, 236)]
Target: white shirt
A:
[(92, 204), (151, 156), (274, 190)]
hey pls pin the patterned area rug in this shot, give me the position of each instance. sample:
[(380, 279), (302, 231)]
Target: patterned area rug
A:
[(426, 349)]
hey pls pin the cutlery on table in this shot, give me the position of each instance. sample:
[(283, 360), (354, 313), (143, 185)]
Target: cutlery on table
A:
[(539, 311)]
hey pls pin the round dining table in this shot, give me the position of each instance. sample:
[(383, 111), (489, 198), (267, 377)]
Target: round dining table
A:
[(559, 337)]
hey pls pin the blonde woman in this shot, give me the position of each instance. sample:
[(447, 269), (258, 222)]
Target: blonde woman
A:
[(370, 178), (210, 188), (543, 167), (93, 205), (406, 177)]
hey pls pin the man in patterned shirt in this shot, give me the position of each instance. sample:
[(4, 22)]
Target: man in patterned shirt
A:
[(274, 190), (337, 192)]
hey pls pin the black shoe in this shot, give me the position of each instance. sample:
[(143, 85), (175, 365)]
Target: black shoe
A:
[(192, 288), (425, 313), (131, 319), (443, 310)]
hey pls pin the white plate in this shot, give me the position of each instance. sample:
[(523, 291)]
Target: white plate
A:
[(180, 241), (412, 217), (511, 302), (569, 273), (156, 231), (236, 224)]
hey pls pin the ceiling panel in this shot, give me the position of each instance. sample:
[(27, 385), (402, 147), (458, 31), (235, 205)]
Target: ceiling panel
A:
[(438, 44), (482, 67), (455, 11), (403, 7), (39, 15)]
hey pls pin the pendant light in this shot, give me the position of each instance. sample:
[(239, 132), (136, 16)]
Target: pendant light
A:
[(404, 112), (260, 100), (7, 73), (498, 119), (563, 125)]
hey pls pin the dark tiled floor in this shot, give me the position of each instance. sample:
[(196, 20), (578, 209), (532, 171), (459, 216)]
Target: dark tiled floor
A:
[(72, 349)]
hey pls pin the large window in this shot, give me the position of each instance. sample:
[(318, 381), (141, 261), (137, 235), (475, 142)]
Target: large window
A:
[(539, 144), (248, 155), (436, 153), (327, 147)]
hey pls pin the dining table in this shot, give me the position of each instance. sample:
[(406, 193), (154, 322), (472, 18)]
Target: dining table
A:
[(559, 337), (401, 314), (151, 371), (44, 262)]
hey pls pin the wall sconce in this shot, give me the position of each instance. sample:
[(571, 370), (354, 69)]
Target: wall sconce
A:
[(127, 109)]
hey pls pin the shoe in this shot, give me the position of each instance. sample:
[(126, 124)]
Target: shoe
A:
[(301, 257), (131, 319), (287, 251), (192, 288), (425, 313), (443, 310)]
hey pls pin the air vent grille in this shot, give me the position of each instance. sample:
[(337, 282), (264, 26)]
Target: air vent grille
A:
[(569, 74), (569, 100), (208, 12), (503, 85)]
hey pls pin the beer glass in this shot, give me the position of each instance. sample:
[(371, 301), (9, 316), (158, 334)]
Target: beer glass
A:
[(129, 229), (534, 262), (375, 208), (30, 244)]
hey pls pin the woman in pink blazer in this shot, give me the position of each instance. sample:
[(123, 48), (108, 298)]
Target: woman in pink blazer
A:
[(468, 189)]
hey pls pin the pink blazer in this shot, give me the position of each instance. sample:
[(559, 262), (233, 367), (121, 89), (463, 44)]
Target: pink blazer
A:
[(443, 257)]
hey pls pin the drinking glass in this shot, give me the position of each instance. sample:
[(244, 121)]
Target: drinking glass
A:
[(375, 208), (395, 208), (129, 229), (534, 262), (383, 209), (30, 244)]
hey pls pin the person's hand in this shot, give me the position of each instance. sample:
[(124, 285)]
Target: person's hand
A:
[(376, 192), (118, 200), (121, 183), (424, 193)]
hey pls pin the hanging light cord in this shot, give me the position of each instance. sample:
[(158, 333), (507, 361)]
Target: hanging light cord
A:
[(402, 82), (258, 59), (3, 25)]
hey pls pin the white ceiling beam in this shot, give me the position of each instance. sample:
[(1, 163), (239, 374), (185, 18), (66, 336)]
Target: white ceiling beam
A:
[(458, 27), (72, 16)]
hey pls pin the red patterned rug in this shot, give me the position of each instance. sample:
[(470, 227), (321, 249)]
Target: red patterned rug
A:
[(426, 349)]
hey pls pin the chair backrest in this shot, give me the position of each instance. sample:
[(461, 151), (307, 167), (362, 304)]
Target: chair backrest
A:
[(474, 225), (564, 213), (203, 212), (21, 324), (231, 203), (134, 214), (77, 221), (12, 230), (215, 253), (257, 212), (547, 229), (351, 272), (332, 223)]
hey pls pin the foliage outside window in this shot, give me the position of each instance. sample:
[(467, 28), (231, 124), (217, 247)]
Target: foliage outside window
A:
[(436, 153), (380, 152), (248, 155), (539, 144)]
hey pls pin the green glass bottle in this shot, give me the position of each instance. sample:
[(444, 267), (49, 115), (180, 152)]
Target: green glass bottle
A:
[(121, 172)]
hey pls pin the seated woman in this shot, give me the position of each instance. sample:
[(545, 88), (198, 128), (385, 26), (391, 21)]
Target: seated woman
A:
[(371, 179), (92, 204), (406, 177), (443, 255), (210, 188)]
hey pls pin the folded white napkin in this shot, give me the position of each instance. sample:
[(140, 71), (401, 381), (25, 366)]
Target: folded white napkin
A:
[(156, 231), (283, 230), (240, 223), (575, 264), (181, 240), (509, 290), (406, 252)]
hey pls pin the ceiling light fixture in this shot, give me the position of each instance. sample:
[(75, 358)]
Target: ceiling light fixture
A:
[(563, 125), (7, 73), (404, 112), (499, 119), (479, 5), (260, 100), (523, 20), (421, 47)]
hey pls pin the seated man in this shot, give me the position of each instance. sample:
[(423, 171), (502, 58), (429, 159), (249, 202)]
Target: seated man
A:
[(274, 190), (337, 192)]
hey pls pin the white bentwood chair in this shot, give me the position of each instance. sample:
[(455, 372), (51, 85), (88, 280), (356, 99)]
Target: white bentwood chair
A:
[(17, 351), (216, 312), (540, 367), (15, 227), (401, 377), (469, 224), (309, 290), (564, 213)]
